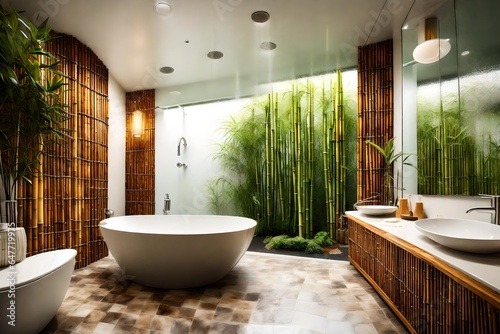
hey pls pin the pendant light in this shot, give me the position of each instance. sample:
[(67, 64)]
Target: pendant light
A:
[(432, 48)]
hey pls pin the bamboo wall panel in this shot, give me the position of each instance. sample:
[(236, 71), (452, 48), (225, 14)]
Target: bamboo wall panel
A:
[(426, 299), (140, 156), (375, 115), (63, 207)]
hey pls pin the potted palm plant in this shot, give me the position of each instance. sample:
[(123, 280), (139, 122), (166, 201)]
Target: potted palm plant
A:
[(390, 157), (31, 111)]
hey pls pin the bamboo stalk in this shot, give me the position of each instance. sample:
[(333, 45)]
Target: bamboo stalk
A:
[(333, 157), (309, 201), (339, 150), (326, 163), (268, 162), (40, 207)]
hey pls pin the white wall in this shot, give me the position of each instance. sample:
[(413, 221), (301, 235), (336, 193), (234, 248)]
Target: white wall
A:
[(454, 206), (200, 125), (116, 148)]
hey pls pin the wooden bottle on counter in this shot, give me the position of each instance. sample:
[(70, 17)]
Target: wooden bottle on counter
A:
[(403, 208), (419, 210)]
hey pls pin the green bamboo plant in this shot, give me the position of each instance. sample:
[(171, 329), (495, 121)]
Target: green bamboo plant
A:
[(488, 167), (334, 153), (447, 152), (285, 160), (455, 158), (31, 111), (388, 196)]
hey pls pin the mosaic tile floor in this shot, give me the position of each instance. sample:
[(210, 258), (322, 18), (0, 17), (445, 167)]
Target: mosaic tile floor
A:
[(264, 293)]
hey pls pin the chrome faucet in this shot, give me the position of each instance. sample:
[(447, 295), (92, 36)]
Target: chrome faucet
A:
[(495, 207), (179, 145), (366, 200)]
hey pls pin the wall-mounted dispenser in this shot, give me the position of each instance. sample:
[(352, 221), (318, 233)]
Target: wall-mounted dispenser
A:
[(166, 205)]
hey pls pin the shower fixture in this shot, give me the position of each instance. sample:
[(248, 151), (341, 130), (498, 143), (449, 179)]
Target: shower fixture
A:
[(108, 213), (166, 205), (179, 145), (175, 106), (181, 164), (182, 108)]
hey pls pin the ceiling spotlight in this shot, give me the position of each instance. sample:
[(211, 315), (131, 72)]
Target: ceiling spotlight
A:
[(268, 46), (260, 16), (162, 7), (215, 55), (166, 70)]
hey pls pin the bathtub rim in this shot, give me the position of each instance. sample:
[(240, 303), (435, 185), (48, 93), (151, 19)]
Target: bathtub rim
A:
[(39, 300), (60, 257), (110, 224)]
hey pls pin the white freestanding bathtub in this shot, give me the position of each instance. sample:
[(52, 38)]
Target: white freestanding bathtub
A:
[(177, 251), (32, 290)]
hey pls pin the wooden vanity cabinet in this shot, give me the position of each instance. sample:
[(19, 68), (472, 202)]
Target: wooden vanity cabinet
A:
[(427, 294)]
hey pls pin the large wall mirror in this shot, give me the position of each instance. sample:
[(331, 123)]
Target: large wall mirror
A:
[(451, 104)]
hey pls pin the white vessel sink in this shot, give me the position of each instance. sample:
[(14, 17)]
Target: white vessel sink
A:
[(462, 234), (376, 210)]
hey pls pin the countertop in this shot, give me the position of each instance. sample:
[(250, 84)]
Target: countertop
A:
[(483, 268)]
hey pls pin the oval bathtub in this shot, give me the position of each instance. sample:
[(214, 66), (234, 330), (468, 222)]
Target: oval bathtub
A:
[(177, 251)]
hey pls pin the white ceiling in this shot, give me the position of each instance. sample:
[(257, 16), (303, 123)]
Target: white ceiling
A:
[(314, 36)]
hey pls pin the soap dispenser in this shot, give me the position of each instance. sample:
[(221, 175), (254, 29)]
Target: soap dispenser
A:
[(419, 209), (403, 207)]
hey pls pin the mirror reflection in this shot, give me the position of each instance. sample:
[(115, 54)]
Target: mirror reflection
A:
[(451, 106)]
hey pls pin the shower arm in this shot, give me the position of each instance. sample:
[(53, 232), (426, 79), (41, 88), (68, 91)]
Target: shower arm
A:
[(179, 145)]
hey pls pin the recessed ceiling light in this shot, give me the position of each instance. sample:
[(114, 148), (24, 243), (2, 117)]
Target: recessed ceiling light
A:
[(166, 70), (215, 55), (162, 8), (260, 16), (268, 46)]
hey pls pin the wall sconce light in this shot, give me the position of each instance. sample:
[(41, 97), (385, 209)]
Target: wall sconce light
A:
[(137, 123), (432, 48)]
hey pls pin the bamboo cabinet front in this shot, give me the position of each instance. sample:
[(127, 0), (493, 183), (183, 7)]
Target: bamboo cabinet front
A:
[(425, 298)]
